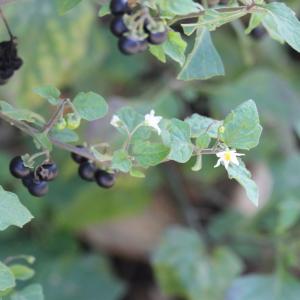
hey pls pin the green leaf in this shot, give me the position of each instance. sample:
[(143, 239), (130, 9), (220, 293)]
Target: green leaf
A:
[(65, 136), (42, 141), (20, 114), (212, 19), (32, 292), (243, 177), (158, 52), (200, 125), (22, 272), (175, 47), (104, 10), (7, 279), (12, 212), (177, 135), (242, 129), (137, 173), (48, 92), (255, 21), (130, 118), (204, 61), (178, 7), (121, 161), (90, 106), (284, 22), (149, 154), (263, 287), (203, 141), (64, 6), (184, 269)]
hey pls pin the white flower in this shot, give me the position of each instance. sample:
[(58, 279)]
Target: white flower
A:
[(116, 121), (153, 121), (226, 157)]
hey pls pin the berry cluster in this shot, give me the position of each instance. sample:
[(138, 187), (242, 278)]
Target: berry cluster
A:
[(137, 31), (89, 172), (35, 181), (9, 60)]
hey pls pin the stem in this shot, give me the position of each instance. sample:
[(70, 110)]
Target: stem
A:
[(32, 131), (84, 152), (33, 157), (55, 117), (220, 10), (6, 24), (205, 4)]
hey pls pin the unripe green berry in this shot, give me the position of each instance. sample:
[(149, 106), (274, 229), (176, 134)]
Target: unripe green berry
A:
[(61, 124), (73, 121)]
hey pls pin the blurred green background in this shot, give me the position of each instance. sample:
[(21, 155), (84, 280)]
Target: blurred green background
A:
[(117, 244)]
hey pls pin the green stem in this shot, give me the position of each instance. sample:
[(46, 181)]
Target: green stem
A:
[(6, 24), (36, 155), (55, 117), (220, 10)]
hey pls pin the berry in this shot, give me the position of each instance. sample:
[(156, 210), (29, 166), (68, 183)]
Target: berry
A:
[(17, 168), (73, 121), (28, 179), (105, 179), (6, 74), (61, 124), (118, 27), (258, 33), (87, 171), (38, 188), (157, 38), (143, 46), (129, 45), (119, 7), (78, 158), (47, 171), (17, 63)]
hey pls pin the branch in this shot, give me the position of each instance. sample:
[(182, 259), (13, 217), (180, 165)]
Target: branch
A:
[(56, 116), (248, 8), (32, 131)]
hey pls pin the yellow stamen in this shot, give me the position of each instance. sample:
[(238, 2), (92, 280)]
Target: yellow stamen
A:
[(227, 156)]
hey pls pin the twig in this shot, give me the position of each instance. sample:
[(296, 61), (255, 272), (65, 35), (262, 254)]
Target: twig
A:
[(32, 131), (56, 116), (6, 24), (220, 10)]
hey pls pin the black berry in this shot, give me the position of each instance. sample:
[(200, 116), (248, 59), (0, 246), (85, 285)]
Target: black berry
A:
[(143, 45), (17, 63), (28, 179), (38, 188), (105, 179), (118, 27), (157, 38), (258, 33), (119, 7), (78, 158), (129, 45), (87, 171), (6, 73), (17, 168), (47, 171)]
